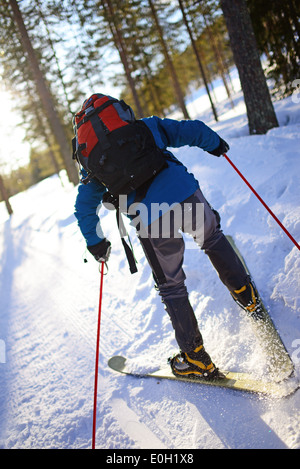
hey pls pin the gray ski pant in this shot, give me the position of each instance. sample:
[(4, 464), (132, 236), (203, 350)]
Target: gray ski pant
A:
[(164, 248)]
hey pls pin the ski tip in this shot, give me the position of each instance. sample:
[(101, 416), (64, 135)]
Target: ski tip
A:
[(117, 363)]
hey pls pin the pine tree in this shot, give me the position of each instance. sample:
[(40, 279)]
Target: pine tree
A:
[(277, 30), (199, 62), (45, 95), (169, 62), (260, 110), (120, 45)]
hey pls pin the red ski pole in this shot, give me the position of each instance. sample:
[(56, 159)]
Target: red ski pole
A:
[(97, 357), (261, 200)]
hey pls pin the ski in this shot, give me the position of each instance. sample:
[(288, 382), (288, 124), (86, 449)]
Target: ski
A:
[(280, 384), (235, 381), (279, 361)]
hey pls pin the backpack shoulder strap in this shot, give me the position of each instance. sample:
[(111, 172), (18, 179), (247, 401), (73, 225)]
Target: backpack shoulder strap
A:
[(99, 131)]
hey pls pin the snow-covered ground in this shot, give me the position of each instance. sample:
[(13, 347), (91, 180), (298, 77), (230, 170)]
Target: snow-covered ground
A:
[(49, 307)]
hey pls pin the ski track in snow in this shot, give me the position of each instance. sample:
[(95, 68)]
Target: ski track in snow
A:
[(49, 307)]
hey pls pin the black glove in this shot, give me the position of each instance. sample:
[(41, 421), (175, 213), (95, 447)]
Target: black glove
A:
[(221, 149), (101, 251)]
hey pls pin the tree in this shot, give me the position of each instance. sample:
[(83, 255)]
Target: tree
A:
[(45, 95), (260, 110), (217, 49), (43, 19), (169, 62), (121, 47), (4, 196), (199, 62), (276, 26)]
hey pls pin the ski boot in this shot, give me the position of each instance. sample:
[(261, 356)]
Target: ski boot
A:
[(248, 298), (196, 365)]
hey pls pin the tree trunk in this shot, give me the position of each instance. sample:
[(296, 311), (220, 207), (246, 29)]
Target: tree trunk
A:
[(120, 46), (260, 110), (4, 195), (199, 62), (40, 117), (45, 97), (216, 49), (59, 71), (176, 85)]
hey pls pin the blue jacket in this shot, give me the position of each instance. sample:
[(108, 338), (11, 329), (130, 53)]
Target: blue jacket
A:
[(172, 185)]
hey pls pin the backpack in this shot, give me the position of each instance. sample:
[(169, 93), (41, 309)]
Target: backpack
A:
[(114, 147)]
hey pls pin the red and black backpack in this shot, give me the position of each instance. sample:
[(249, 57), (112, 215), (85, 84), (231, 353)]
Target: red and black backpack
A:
[(113, 146)]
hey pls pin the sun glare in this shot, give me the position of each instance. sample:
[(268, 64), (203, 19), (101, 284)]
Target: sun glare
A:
[(14, 151)]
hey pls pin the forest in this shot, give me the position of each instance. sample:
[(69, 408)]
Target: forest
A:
[(151, 53)]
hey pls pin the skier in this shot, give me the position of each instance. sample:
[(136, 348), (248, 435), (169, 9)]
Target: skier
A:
[(175, 186)]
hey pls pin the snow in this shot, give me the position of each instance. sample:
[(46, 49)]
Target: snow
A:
[(49, 308)]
